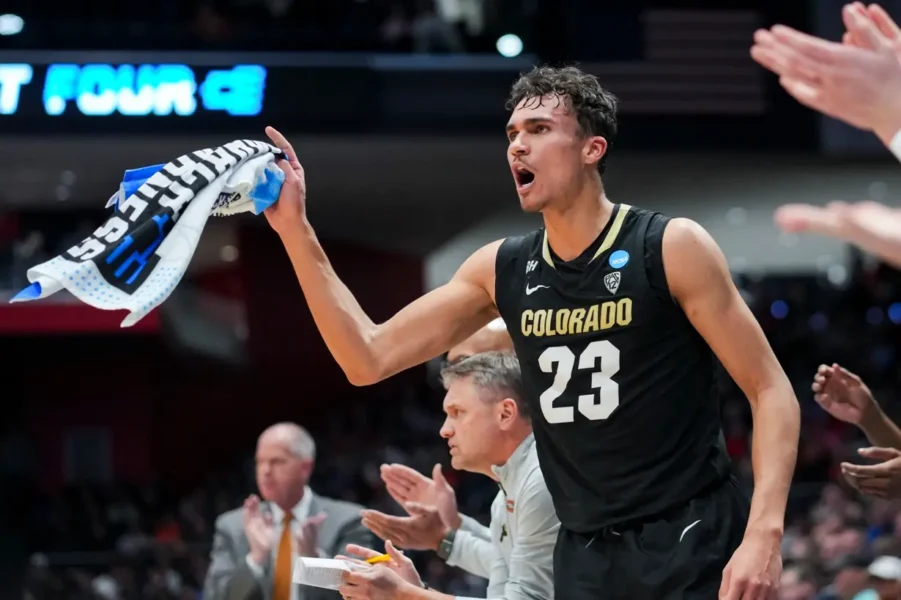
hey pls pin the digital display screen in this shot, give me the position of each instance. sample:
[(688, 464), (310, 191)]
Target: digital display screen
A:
[(99, 90), (65, 96)]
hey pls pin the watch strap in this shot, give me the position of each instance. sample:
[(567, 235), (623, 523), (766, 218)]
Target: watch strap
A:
[(446, 545)]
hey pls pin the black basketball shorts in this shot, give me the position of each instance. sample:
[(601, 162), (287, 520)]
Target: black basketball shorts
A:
[(679, 555)]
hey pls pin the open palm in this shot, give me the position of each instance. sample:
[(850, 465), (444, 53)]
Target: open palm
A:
[(408, 485)]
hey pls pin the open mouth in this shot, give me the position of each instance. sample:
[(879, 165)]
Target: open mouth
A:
[(524, 177)]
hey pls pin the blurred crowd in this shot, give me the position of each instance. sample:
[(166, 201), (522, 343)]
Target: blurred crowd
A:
[(435, 26)]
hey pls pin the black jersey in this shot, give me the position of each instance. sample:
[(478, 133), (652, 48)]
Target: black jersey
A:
[(620, 384)]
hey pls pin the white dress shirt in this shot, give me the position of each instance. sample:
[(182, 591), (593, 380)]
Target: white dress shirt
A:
[(301, 513), (518, 557)]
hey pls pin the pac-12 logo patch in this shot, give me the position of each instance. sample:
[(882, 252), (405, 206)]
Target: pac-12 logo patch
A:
[(611, 281), (619, 259)]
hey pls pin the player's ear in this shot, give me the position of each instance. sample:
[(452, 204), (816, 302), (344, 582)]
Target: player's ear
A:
[(594, 150), (508, 412)]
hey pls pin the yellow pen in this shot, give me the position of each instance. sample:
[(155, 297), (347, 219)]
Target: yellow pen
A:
[(378, 559)]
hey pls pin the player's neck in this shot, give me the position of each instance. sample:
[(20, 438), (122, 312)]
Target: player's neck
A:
[(573, 226)]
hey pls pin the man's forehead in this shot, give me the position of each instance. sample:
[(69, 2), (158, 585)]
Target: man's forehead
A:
[(272, 447), (458, 393), (549, 108)]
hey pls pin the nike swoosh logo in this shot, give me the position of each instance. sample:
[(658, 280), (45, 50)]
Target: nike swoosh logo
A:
[(534, 289), (684, 531)]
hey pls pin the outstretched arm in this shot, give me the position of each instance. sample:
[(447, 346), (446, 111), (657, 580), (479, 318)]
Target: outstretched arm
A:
[(870, 226), (369, 352), (700, 282), (856, 82)]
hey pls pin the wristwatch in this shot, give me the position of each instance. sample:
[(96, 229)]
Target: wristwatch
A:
[(446, 544)]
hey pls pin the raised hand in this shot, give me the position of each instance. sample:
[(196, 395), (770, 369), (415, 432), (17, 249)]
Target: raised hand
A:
[(307, 537), (258, 529), (884, 24), (856, 82), (290, 210), (843, 394), (407, 485), (422, 530), (882, 480)]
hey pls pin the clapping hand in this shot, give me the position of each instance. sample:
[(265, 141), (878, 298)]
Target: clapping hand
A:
[(407, 485), (857, 82), (258, 529), (421, 530), (307, 536), (882, 480), (843, 394)]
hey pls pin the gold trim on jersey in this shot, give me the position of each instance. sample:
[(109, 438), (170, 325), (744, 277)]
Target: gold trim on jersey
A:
[(605, 245), (546, 251), (614, 230)]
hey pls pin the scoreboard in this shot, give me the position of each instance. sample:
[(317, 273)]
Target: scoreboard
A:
[(103, 89)]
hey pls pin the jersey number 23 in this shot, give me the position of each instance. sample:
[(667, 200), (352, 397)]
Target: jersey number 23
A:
[(561, 361)]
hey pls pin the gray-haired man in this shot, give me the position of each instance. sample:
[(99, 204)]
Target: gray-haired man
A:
[(254, 547), (488, 431)]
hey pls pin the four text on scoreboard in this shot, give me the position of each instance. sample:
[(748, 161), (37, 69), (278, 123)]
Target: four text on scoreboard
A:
[(136, 90)]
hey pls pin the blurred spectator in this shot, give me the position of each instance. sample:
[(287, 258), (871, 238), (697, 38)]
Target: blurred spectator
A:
[(885, 579), (254, 548), (798, 583)]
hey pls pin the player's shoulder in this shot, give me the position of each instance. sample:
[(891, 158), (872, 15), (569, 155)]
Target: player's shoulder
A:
[(515, 249), (683, 234), (664, 230), (515, 244)]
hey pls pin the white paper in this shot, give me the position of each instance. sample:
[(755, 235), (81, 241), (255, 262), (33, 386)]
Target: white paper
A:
[(325, 573)]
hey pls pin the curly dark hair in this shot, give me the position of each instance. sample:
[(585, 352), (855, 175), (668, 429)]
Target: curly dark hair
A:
[(593, 106)]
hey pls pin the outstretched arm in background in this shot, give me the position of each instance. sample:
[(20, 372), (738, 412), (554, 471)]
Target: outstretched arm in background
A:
[(858, 82), (369, 352)]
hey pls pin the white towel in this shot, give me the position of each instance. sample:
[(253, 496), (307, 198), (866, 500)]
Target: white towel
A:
[(137, 257)]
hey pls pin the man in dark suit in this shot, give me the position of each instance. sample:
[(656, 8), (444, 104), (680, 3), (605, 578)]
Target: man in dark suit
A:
[(254, 547)]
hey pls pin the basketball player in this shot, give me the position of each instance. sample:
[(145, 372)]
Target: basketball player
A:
[(616, 314)]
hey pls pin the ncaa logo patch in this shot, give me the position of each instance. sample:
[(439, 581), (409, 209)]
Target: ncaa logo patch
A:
[(611, 281), (619, 259)]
